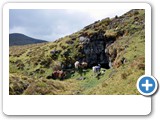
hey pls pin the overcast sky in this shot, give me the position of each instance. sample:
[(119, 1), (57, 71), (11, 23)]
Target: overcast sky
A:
[(51, 24)]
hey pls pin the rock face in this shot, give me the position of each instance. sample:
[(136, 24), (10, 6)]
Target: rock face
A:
[(94, 49)]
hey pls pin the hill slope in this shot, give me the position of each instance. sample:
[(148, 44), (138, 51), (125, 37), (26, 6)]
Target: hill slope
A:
[(20, 39), (116, 43)]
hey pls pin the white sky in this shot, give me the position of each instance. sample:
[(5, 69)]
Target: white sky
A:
[(53, 24)]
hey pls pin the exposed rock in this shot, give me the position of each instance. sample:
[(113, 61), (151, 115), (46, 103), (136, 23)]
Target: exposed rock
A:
[(84, 40), (94, 49)]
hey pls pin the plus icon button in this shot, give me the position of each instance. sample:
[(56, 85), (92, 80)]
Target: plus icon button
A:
[(147, 85)]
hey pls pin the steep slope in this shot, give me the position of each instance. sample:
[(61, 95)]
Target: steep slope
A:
[(21, 39), (115, 43)]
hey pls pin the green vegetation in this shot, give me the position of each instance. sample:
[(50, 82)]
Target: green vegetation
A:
[(31, 64)]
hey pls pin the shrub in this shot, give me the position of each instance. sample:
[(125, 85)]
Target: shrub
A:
[(123, 75), (57, 66), (141, 66), (16, 85), (110, 33), (46, 62), (105, 21)]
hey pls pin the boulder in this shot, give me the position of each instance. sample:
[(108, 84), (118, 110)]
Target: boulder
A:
[(84, 40)]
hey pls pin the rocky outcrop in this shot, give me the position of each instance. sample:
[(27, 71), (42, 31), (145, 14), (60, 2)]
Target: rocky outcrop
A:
[(94, 48)]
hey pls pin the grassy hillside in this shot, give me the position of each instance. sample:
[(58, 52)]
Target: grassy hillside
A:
[(123, 37)]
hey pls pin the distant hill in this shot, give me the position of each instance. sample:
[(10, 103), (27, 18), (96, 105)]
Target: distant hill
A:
[(21, 39)]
